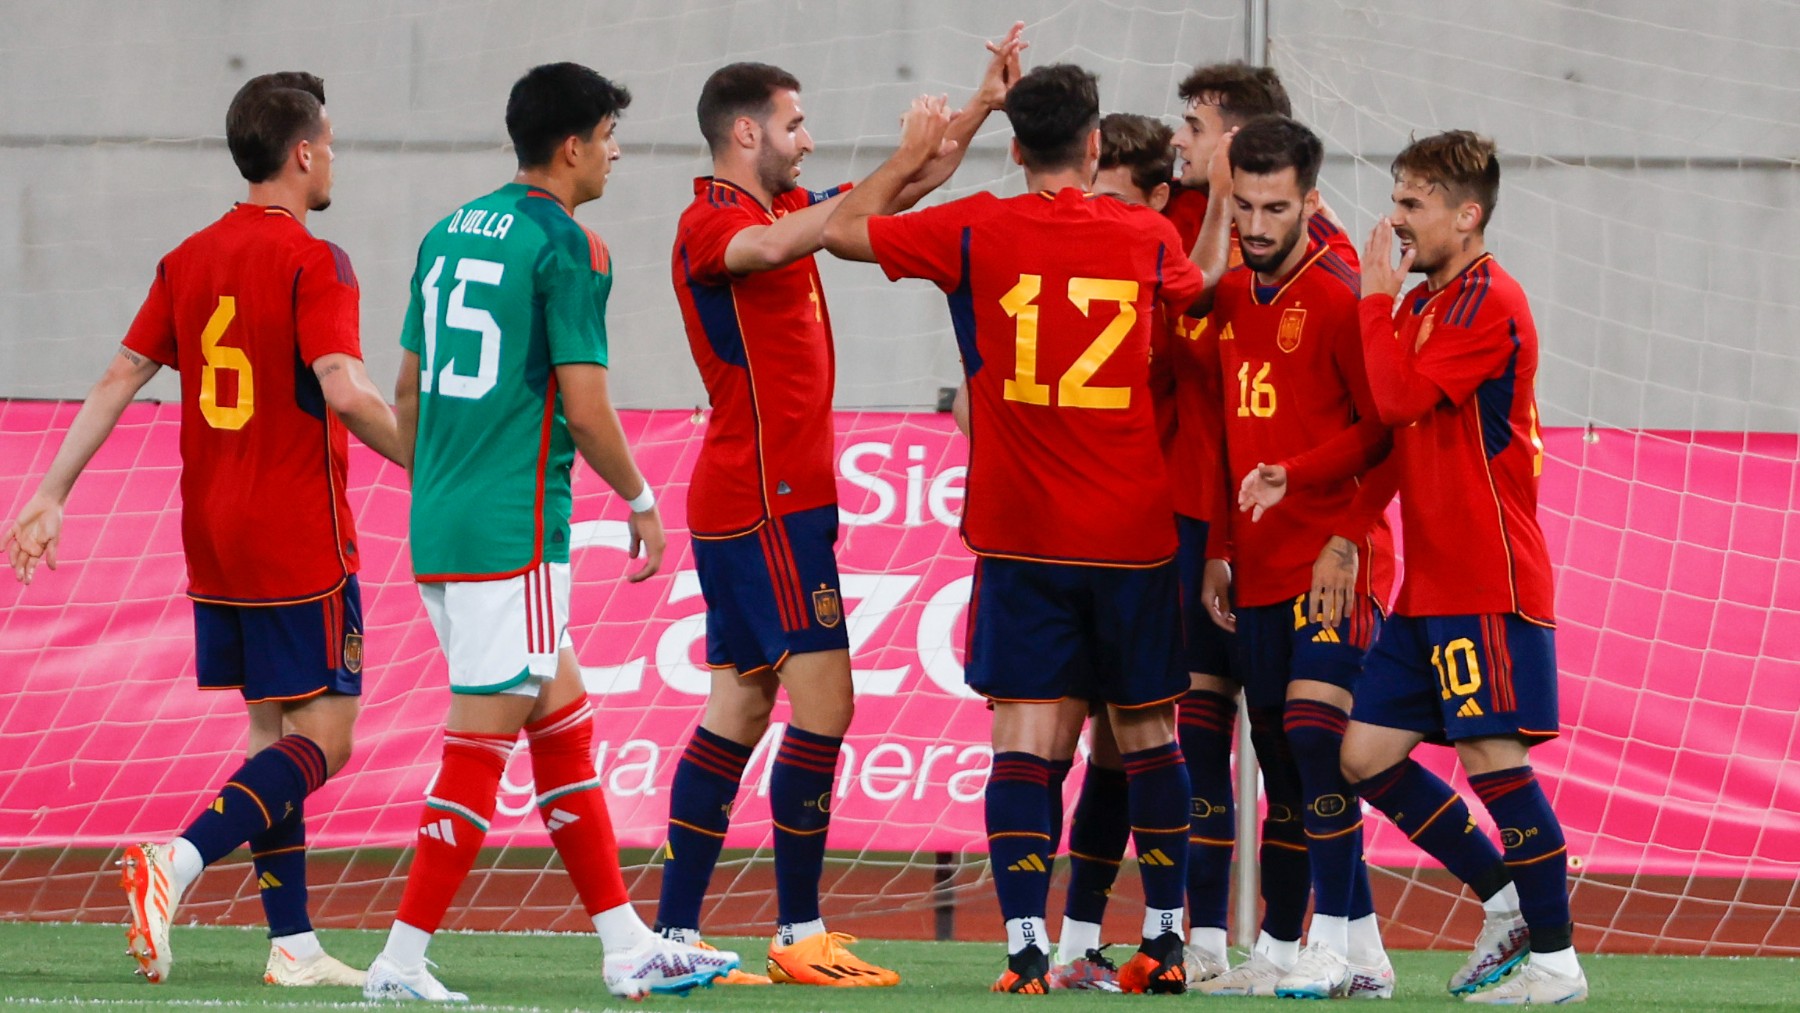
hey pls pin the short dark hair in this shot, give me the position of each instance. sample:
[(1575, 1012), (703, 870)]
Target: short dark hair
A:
[(267, 116), (1238, 90), (556, 101), (1140, 144), (1052, 109), (1268, 144), (1461, 161), (739, 89)]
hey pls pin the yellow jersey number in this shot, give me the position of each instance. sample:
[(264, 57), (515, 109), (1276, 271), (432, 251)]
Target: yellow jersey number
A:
[(232, 360), (1256, 395), (1458, 671), (1072, 390)]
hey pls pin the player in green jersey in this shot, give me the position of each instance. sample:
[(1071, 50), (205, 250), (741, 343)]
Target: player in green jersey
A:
[(503, 380)]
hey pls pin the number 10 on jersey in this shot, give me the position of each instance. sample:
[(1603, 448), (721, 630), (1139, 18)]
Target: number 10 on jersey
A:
[(462, 317)]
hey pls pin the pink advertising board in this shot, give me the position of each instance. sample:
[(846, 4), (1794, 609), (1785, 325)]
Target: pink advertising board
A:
[(1678, 566)]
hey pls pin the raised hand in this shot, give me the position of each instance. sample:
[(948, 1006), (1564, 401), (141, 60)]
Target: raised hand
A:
[(1003, 70), (923, 127), (1262, 489), (1218, 170), (1379, 276)]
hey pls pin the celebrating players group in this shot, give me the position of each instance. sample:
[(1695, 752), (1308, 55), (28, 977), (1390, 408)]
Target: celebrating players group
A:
[(1189, 403)]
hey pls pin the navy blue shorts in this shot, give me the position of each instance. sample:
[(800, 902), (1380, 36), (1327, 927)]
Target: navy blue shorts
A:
[(1040, 632), (283, 652), (1461, 677), (1277, 644), (772, 592), (1207, 645)]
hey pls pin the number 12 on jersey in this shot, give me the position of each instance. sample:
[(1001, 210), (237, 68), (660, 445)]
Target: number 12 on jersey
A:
[(1072, 390), (462, 317)]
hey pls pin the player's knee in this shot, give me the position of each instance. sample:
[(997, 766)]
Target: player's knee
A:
[(1359, 765)]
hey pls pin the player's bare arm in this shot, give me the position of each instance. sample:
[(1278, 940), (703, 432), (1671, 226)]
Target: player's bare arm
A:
[(789, 238), (594, 425), (1212, 249), (1003, 68), (922, 138), (350, 393), (406, 404), (33, 535)]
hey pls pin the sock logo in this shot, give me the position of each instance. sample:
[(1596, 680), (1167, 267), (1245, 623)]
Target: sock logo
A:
[(558, 819), (1329, 805), (1028, 929), (822, 803), (1279, 813), (1030, 863), (1511, 838), (267, 881), (218, 805), (1155, 856), (1202, 808), (1166, 922), (442, 830)]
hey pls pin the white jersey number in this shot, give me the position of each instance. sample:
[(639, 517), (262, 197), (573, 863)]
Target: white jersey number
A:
[(463, 318)]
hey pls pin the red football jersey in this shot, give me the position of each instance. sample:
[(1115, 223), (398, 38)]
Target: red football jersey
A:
[(1294, 390), (1194, 429), (1052, 296), (242, 309), (1469, 459), (763, 345)]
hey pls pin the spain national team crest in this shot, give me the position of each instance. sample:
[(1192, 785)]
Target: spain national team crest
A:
[(1293, 322), (353, 653), (828, 607)]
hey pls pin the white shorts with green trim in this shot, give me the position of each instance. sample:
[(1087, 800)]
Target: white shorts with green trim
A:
[(502, 636)]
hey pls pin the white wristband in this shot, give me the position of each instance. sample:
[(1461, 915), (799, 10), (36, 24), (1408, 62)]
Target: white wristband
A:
[(645, 500)]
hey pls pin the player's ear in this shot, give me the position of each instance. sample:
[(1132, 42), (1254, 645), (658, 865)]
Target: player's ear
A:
[(1468, 216), (1018, 157), (1310, 205), (1159, 197), (303, 154), (746, 132), (1093, 146)]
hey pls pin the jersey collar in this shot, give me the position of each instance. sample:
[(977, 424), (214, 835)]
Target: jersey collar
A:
[(1315, 250), (725, 191)]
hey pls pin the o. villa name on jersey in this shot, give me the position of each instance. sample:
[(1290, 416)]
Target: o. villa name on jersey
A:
[(479, 222)]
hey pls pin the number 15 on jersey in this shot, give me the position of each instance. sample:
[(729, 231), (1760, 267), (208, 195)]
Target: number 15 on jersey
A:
[(458, 315)]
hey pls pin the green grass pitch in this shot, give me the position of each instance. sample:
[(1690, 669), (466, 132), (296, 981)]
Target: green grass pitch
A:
[(84, 966)]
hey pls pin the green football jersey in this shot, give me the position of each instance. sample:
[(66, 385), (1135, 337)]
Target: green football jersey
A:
[(506, 289)]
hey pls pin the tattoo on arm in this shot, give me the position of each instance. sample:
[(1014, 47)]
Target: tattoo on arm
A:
[(132, 357), (328, 370)]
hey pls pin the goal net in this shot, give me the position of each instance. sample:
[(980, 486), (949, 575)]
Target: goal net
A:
[(1647, 207)]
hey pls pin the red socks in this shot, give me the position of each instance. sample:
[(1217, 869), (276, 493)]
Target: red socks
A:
[(573, 807)]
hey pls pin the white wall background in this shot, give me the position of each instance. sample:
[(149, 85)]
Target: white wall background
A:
[(1651, 199)]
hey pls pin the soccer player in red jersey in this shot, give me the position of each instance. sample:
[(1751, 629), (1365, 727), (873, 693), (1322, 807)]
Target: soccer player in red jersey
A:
[(1052, 296), (1290, 351), (259, 316), (1218, 98), (763, 503), (1469, 655)]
